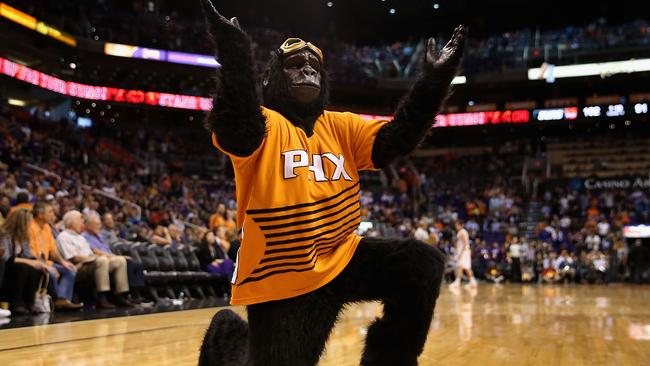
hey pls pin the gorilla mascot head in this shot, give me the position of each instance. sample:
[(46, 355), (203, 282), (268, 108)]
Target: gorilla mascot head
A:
[(296, 84)]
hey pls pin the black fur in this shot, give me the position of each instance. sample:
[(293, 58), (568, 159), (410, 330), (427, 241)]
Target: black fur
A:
[(276, 97), (236, 118), (413, 117), (404, 274), (225, 341)]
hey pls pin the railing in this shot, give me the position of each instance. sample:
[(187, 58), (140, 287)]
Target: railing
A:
[(47, 173), (113, 197)]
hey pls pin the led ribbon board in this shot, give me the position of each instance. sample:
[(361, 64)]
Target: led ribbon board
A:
[(32, 23), (194, 59), (472, 118), (102, 93)]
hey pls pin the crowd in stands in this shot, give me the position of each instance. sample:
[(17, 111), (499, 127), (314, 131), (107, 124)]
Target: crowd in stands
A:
[(58, 186), (578, 235), (353, 63)]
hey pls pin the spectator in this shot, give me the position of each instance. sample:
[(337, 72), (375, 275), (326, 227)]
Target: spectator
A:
[(603, 227), (213, 255), (43, 247), (177, 237), (75, 248), (22, 271), (108, 233), (93, 228), (592, 241), (161, 236), (565, 267), (515, 257), (218, 218), (22, 201), (421, 233)]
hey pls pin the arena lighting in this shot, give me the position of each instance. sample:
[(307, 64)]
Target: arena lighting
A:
[(601, 68), (16, 102), (459, 80), (194, 59), (102, 93), (615, 110), (636, 232), (482, 118), (611, 110), (641, 108), (471, 119), (32, 23), (555, 114)]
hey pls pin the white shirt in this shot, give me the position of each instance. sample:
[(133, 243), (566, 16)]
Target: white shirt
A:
[(565, 222), (603, 228), (515, 250), (421, 234), (462, 237), (593, 242), (72, 244)]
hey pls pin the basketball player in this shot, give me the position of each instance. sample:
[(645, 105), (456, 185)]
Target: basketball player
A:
[(463, 257)]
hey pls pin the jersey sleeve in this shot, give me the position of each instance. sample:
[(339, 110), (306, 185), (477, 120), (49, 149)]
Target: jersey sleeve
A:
[(362, 135)]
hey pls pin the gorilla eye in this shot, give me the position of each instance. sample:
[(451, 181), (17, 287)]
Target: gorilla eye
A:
[(314, 64), (293, 63)]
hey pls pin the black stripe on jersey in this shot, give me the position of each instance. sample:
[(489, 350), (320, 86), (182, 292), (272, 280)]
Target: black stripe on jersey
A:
[(312, 228), (346, 231), (301, 205), (307, 238), (253, 279), (272, 273), (305, 213), (314, 253), (296, 223)]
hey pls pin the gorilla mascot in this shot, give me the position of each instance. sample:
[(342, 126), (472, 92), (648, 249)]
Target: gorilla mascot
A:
[(296, 170)]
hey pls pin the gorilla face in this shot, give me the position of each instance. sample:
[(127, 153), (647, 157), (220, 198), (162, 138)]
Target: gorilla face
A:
[(302, 71)]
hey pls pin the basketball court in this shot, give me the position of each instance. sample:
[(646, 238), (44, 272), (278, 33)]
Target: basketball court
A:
[(511, 324)]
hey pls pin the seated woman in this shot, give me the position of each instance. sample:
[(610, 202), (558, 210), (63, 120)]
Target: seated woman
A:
[(213, 255), (22, 270)]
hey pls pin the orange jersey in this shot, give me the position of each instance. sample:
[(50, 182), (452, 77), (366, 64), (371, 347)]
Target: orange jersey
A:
[(298, 205)]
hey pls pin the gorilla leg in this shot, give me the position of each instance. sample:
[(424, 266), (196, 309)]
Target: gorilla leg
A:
[(406, 276), (292, 331), (226, 341)]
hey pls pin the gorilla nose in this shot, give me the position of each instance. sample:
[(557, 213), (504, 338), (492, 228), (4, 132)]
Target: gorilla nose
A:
[(309, 71)]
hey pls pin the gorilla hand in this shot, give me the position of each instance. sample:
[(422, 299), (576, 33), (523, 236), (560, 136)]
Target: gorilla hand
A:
[(447, 59), (416, 111), (220, 27)]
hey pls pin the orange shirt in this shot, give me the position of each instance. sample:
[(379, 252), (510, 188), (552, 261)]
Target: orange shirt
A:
[(230, 225), (593, 212), (25, 205), (216, 220), (298, 205), (41, 241)]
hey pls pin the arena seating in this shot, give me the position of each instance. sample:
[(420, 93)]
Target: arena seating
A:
[(169, 271), (600, 157)]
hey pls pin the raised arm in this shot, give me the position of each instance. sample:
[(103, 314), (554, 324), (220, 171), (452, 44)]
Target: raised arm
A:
[(417, 110), (236, 118)]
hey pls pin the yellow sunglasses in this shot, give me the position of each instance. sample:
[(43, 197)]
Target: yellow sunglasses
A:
[(292, 45)]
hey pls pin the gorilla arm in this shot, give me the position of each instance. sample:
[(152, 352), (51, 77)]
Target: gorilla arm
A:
[(236, 118), (415, 113)]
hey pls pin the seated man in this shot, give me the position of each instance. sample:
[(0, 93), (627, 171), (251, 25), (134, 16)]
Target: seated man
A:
[(108, 233), (43, 246), (92, 234), (75, 248)]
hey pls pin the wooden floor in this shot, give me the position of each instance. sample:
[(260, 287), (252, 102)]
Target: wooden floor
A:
[(509, 325)]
